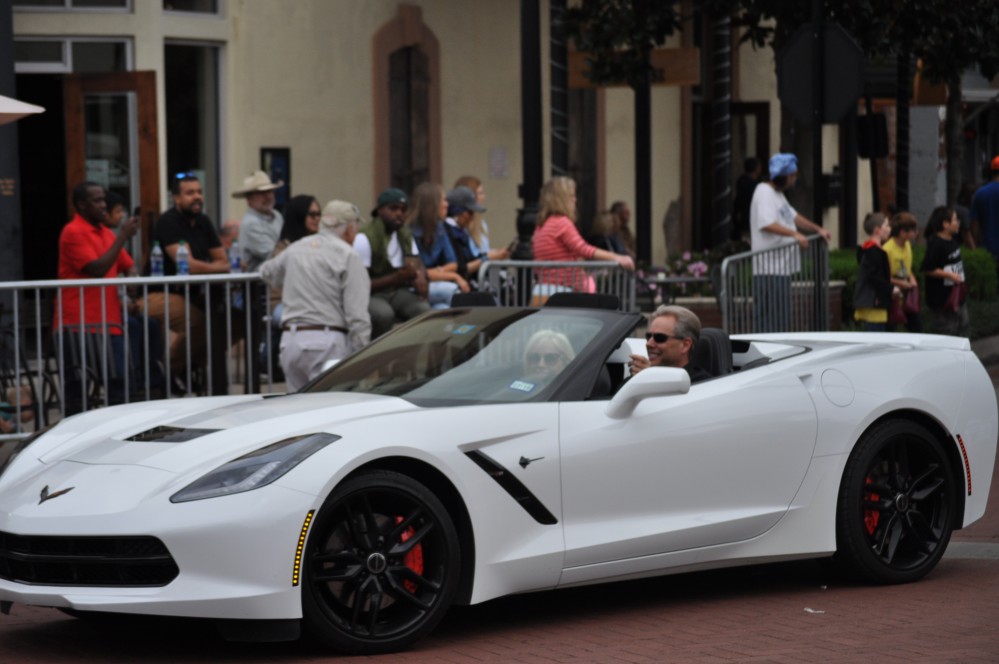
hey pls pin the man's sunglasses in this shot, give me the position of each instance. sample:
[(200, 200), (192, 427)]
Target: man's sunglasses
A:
[(661, 338)]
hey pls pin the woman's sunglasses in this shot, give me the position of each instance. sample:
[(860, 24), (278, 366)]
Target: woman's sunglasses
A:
[(549, 358)]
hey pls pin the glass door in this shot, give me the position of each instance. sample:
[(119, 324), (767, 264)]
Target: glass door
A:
[(111, 139)]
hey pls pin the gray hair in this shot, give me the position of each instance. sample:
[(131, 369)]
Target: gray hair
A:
[(688, 325)]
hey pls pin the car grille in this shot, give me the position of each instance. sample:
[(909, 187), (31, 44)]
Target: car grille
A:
[(85, 561)]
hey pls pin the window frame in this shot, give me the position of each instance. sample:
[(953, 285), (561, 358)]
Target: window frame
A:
[(66, 65)]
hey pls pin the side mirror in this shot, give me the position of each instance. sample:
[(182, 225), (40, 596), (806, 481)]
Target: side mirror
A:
[(652, 382)]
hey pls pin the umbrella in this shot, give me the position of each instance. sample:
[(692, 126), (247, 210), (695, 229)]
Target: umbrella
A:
[(12, 109)]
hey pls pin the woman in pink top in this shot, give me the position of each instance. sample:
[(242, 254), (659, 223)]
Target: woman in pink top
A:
[(556, 238)]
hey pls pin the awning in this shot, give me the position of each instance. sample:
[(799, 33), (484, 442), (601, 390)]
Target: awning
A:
[(12, 109)]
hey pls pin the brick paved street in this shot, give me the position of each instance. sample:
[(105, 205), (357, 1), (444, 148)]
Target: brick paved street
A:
[(785, 613)]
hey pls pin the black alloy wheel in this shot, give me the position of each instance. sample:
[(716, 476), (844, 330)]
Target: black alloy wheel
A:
[(897, 504), (380, 566)]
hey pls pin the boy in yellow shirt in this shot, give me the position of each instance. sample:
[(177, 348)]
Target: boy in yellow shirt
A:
[(899, 250)]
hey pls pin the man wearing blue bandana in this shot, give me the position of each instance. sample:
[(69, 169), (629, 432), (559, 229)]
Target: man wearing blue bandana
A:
[(777, 226)]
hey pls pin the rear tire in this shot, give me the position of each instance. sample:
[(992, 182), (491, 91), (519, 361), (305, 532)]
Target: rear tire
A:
[(381, 565), (897, 504)]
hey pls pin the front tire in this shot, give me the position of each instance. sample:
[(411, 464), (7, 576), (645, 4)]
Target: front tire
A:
[(897, 504), (381, 565)]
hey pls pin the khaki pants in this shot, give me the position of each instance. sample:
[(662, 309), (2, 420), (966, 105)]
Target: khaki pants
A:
[(305, 352), (182, 324)]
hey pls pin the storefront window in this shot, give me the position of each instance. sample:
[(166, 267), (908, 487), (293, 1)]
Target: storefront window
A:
[(72, 4), (194, 6)]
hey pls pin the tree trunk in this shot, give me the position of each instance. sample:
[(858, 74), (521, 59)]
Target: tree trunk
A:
[(902, 128), (721, 130), (954, 136)]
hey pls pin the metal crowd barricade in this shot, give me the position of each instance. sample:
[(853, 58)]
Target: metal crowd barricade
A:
[(531, 283), (104, 361), (781, 289)]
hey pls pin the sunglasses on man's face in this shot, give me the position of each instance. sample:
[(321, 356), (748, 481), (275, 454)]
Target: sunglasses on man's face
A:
[(661, 338), (549, 358)]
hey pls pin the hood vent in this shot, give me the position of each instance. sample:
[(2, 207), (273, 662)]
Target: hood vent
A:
[(165, 434)]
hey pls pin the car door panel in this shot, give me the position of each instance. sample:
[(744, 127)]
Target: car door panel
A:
[(719, 464)]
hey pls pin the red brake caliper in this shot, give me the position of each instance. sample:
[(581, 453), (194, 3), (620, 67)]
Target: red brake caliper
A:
[(871, 516), (414, 559)]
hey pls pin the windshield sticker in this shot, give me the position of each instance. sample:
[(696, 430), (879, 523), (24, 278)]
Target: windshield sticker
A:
[(464, 329), (522, 386)]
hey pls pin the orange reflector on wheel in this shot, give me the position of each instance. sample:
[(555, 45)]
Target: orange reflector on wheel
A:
[(967, 464)]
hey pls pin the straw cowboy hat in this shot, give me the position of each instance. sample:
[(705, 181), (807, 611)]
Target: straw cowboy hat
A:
[(258, 182)]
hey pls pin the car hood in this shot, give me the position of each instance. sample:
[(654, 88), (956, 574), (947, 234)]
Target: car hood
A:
[(177, 435)]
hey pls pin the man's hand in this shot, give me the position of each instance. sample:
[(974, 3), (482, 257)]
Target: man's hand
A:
[(802, 240), (637, 363), (129, 228), (405, 276)]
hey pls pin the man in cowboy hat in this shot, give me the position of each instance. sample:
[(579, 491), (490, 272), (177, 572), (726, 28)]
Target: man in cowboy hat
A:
[(261, 226)]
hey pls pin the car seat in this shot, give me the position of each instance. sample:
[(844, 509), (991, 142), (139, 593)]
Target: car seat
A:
[(713, 352)]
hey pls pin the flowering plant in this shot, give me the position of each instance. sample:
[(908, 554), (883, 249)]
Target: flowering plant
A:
[(685, 274)]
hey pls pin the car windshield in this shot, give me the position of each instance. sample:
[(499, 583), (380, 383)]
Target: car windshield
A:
[(477, 355)]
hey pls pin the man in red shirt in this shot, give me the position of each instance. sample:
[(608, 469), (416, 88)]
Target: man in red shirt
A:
[(89, 250)]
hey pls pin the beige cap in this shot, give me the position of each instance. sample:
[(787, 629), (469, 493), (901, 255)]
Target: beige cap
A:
[(340, 213)]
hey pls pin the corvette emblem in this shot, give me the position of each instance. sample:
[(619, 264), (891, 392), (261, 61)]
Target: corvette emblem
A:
[(45, 495)]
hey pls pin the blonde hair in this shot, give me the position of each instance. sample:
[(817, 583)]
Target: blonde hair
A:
[(477, 228), (556, 197), (555, 339)]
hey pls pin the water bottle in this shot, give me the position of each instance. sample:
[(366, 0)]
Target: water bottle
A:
[(183, 260), (234, 265), (156, 260)]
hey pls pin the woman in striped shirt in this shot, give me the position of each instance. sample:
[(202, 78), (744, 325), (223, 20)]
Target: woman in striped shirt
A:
[(556, 238)]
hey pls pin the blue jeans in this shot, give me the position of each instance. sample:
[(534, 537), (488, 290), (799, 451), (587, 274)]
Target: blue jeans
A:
[(440, 294), (771, 303)]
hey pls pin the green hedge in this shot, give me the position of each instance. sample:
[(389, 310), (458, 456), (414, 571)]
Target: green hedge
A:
[(979, 270)]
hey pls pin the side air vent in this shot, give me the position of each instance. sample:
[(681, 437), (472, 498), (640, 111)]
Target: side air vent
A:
[(514, 487), (169, 435)]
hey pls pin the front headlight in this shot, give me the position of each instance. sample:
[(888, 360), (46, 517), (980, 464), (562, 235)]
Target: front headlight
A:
[(20, 445), (255, 469)]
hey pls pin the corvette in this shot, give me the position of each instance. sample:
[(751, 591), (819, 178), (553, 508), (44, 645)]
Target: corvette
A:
[(459, 459)]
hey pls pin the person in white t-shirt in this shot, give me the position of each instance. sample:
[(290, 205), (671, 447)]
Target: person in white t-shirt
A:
[(776, 226), (388, 250)]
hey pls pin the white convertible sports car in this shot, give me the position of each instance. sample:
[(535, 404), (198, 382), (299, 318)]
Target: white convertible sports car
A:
[(478, 452)]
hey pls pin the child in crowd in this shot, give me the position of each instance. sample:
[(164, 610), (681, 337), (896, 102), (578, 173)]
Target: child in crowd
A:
[(943, 268), (899, 250), (874, 289), (8, 409)]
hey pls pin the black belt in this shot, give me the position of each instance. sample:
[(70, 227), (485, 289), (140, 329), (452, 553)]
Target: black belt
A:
[(325, 328)]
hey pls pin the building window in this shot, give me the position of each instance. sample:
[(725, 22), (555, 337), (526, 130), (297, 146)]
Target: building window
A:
[(408, 122), (192, 6), (100, 5), (191, 82), (407, 102), (64, 56)]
